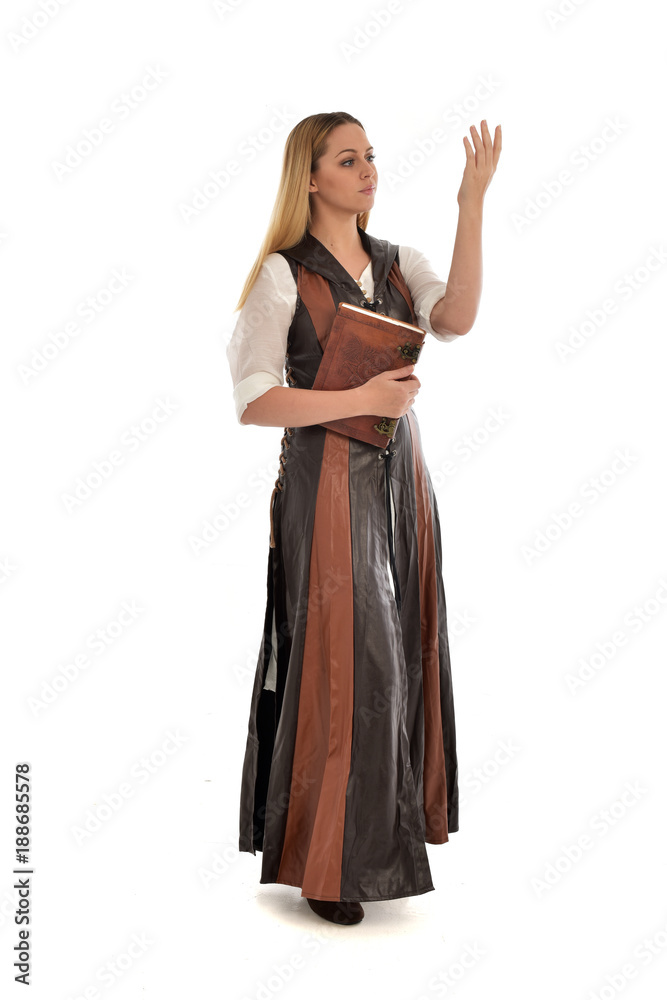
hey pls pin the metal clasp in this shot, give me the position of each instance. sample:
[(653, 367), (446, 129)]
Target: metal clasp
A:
[(386, 426), (410, 350)]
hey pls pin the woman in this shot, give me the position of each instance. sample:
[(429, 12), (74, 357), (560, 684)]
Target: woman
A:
[(350, 765)]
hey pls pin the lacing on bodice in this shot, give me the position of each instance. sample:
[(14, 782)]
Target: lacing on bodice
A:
[(284, 445)]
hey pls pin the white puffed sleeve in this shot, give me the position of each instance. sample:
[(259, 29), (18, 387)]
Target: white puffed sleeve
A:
[(257, 348), (426, 288)]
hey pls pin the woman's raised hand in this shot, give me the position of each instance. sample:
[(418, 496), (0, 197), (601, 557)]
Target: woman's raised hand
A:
[(481, 163)]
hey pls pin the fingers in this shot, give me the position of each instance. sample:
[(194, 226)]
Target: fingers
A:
[(491, 148), (497, 144), (479, 145), (404, 373)]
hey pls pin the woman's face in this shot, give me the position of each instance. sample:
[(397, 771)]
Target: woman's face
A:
[(345, 171)]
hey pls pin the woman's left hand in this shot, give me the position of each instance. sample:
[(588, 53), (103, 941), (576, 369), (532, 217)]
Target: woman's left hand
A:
[(481, 163)]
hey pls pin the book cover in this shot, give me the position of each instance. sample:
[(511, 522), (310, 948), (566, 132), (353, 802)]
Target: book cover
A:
[(361, 344)]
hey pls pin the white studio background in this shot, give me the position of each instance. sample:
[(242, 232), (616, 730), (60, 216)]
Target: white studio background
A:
[(132, 617)]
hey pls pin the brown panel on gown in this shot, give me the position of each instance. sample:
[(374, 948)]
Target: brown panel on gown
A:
[(313, 845), (435, 782)]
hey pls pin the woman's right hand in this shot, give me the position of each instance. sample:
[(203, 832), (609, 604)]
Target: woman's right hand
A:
[(391, 393)]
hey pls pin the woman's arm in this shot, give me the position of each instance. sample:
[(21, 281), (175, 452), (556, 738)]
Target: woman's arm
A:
[(390, 393), (456, 311), (256, 355), (286, 406)]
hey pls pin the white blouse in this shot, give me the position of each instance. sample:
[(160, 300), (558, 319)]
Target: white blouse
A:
[(258, 345)]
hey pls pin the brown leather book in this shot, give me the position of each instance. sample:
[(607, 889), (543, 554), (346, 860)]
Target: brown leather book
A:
[(361, 344)]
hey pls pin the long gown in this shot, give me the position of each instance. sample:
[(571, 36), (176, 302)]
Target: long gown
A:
[(350, 765)]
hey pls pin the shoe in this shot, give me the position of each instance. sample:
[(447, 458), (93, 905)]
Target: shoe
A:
[(338, 911)]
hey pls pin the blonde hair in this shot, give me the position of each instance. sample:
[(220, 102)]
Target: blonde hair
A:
[(291, 216)]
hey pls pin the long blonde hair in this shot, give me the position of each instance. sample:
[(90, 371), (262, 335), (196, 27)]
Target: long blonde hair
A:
[(291, 216)]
